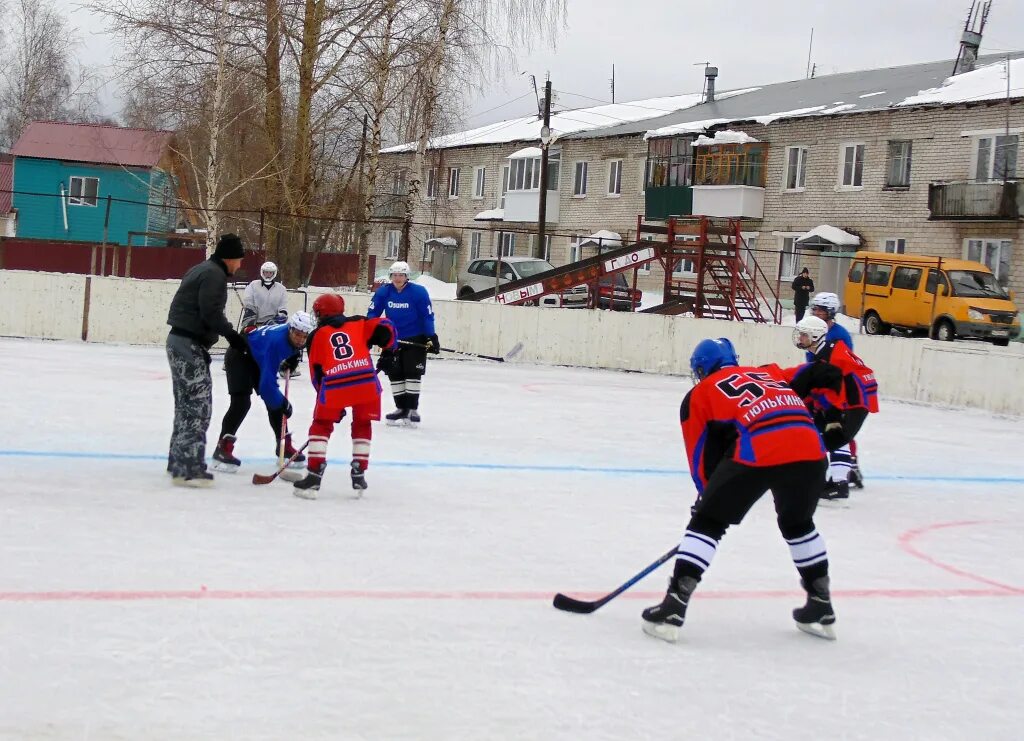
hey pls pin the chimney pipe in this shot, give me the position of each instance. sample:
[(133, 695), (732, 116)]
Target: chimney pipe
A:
[(970, 42), (710, 73)]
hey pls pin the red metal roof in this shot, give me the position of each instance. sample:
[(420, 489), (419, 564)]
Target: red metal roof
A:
[(6, 185), (108, 145)]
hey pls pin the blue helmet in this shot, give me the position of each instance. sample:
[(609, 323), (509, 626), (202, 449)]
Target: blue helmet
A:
[(710, 355)]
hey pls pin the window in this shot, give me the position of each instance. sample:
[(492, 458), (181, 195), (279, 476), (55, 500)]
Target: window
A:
[(432, 182), (398, 183), (669, 162), (474, 245), (453, 182), (730, 164), (485, 268), (898, 169), (479, 181), (508, 244), (615, 177), (935, 278), (851, 166), (748, 254), (645, 269), (877, 274), (524, 174), (83, 191), (505, 175), (996, 157), (907, 278), (787, 260), (574, 248), (994, 253), (579, 180), (895, 246), (554, 168), (856, 272), (394, 240), (796, 168), (425, 250), (547, 247), (685, 267)]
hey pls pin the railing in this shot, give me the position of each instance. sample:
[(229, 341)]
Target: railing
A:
[(970, 199)]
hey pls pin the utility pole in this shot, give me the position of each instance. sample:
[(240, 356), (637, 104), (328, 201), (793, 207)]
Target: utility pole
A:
[(613, 83), (545, 140)]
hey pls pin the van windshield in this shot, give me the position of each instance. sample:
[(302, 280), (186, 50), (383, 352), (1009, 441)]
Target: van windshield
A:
[(529, 268), (975, 284)]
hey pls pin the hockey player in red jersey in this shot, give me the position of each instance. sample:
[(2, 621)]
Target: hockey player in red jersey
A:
[(840, 390), (344, 376), (746, 432)]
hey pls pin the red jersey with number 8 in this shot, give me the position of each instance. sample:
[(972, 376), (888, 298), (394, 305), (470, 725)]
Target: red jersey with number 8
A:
[(340, 365), (750, 415)]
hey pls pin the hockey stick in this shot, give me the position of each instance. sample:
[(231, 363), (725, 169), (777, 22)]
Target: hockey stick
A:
[(582, 607), (260, 479), (284, 424), (514, 352)]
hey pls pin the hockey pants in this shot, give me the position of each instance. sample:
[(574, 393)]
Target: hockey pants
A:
[(324, 419)]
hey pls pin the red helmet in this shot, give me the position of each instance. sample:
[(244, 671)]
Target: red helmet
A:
[(330, 304)]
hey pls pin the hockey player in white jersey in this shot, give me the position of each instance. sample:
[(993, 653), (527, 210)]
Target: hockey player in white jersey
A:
[(264, 302)]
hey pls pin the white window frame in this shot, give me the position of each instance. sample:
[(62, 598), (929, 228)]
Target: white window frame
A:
[(645, 269), (686, 268), (894, 245), (547, 246), (800, 181), (614, 178), (790, 256), (453, 183), (575, 251), (431, 183), (1000, 244), (394, 241), (475, 240), (579, 184), (507, 244), (505, 173), (479, 182), (993, 138), (748, 253), (843, 148), (424, 251), (524, 174), (82, 199)]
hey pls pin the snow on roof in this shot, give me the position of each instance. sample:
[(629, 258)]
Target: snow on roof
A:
[(604, 238), (445, 241), (525, 152), (688, 127), (983, 83), (563, 123), (493, 214), (831, 234), (725, 137)]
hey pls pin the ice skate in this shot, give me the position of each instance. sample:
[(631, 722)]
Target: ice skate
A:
[(201, 480), (856, 479), (836, 492), (224, 459), (358, 477), (414, 418), (308, 487), (816, 616), (397, 418), (664, 621)]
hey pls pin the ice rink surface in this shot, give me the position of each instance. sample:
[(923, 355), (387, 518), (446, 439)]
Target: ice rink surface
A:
[(131, 609)]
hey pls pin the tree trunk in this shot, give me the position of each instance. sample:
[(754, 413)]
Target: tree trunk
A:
[(273, 124)]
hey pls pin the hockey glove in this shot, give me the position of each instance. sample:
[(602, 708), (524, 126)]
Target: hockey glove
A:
[(236, 341), (834, 437), (386, 361), (434, 345), (286, 409)]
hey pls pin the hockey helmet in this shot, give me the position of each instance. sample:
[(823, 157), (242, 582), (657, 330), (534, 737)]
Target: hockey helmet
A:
[(399, 267), (813, 328), (828, 302), (268, 272), (329, 304), (300, 321), (710, 355)]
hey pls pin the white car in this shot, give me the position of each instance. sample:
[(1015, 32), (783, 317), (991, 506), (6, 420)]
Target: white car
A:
[(479, 276)]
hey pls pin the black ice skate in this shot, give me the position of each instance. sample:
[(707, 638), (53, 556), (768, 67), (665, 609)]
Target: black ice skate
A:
[(816, 616), (414, 417), (308, 487), (358, 477), (856, 479), (201, 480), (397, 417), (836, 491), (224, 459), (664, 621)]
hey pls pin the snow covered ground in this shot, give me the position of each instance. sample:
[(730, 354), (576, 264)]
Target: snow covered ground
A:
[(130, 609)]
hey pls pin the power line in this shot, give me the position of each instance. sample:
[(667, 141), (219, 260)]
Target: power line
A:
[(508, 102)]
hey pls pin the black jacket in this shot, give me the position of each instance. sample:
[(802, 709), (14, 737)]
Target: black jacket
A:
[(804, 287), (197, 309)]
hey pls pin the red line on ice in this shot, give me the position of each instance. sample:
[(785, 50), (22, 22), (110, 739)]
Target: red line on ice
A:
[(906, 541), (457, 595)]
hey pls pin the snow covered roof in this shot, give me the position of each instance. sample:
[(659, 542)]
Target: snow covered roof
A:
[(984, 83), (443, 241), (525, 152), (725, 137), (604, 238), (493, 214), (825, 236)]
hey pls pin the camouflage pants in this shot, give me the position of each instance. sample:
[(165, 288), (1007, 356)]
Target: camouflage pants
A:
[(193, 405)]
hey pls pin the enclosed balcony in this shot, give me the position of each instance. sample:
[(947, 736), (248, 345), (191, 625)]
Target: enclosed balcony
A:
[(729, 176), (668, 186), (521, 188), (976, 200)]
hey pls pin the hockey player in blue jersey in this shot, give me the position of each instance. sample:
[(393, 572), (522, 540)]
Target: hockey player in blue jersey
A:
[(269, 346), (408, 307)]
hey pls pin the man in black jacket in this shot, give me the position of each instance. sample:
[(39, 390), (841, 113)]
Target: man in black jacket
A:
[(197, 319), (803, 287)]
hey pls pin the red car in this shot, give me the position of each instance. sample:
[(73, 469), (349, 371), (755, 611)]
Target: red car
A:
[(614, 292)]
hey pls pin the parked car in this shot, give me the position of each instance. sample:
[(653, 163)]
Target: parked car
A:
[(479, 275), (614, 292), (944, 299)]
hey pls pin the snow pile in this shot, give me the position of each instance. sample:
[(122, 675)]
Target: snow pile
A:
[(444, 241), (725, 137), (526, 152), (831, 234), (604, 238), (438, 289), (491, 214), (984, 83)]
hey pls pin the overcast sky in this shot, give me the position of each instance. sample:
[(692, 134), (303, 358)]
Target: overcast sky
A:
[(659, 46)]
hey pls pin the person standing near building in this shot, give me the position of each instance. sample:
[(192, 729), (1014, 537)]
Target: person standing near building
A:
[(343, 375), (196, 318), (408, 307), (803, 287), (746, 431)]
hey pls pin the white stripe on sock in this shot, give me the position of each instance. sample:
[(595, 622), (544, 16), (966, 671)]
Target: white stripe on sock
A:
[(807, 550), (697, 548)]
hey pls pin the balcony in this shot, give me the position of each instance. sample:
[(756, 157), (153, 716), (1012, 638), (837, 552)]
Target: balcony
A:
[(729, 176), (728, 201), (522, 205), (971, 200), (670, 200)]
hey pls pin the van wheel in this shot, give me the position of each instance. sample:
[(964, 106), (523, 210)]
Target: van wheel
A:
[(465, 293), (873, 324), (1001, 342), (945, 331)]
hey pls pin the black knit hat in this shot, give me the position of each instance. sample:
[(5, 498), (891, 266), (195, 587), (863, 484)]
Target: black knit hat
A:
[(229, 247)]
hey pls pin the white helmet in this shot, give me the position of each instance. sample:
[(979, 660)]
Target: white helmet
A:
[(268, 272), (399, 267), (811, 326), (300, 321), (827, 301)]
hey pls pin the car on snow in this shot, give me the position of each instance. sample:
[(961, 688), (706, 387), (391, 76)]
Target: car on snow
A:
[(480, 274)]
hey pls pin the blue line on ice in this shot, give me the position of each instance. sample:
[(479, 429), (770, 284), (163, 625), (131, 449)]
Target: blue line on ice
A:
[(525, 467)]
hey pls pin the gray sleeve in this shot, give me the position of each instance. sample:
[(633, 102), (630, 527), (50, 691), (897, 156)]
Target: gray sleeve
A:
[(213, 297)]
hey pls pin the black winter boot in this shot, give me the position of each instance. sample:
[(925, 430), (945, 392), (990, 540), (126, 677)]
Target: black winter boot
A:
[(664, 621)]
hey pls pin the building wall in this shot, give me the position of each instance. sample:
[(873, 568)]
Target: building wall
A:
[(161, 215), (41, 216)]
